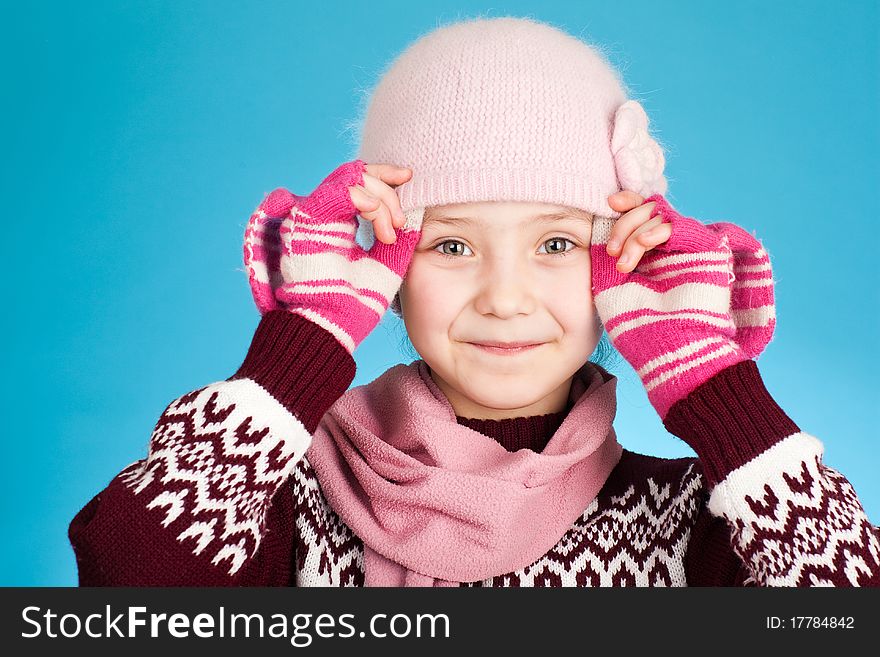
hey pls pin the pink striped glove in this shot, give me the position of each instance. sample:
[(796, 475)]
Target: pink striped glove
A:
[(301, 256), (693, 306)]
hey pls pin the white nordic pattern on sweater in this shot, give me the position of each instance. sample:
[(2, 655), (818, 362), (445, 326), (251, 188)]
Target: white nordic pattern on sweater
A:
[(213, 470), (638, 538), (803, 536), (213, 467)]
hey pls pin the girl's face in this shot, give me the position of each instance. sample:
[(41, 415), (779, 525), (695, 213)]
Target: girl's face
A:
[(502, 272)]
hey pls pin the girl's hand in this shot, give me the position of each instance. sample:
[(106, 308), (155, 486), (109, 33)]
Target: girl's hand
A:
[(701, 301), (301, 254), (635, 232), (377, 201)]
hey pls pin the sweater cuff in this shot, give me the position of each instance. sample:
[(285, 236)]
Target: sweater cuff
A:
[(729, 420), (299, 363)]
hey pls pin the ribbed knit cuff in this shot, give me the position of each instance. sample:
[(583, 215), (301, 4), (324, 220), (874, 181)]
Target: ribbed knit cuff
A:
[(299, 363), (532, 432), (729, 420)]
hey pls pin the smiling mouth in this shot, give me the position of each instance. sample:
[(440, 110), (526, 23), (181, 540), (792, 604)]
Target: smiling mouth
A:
[(505, 350)]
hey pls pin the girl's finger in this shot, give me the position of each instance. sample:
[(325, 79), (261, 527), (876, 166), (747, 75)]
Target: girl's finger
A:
[(388, 196), (389, 173), (372, 209), (635, 246), (645, 228), (630, 258), (623, 227), (362, 199), (656, 235), (638, 244), (625, 200)]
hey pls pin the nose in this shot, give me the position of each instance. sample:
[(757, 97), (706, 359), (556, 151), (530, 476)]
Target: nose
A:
[(506, 289)]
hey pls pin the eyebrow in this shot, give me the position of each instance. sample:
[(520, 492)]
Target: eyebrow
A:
[(548, 218)]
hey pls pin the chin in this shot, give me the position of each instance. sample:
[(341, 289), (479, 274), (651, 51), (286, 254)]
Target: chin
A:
[(506, 394)]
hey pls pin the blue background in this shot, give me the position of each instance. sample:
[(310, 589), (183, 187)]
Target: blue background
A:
[(139, 136)]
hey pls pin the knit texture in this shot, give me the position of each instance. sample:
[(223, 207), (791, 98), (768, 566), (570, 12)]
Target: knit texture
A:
[(420, 489), (509, 109), (731, 420), (226, 497), (301, 256), (519, 433), (695, 305), (289, 357)]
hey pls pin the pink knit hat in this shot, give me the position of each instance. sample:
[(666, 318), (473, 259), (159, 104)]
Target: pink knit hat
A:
[(509, 109)]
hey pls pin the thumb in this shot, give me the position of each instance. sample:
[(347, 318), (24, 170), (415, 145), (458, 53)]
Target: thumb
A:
[(278, 203)]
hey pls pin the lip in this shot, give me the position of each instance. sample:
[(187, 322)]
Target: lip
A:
[(506, 348)]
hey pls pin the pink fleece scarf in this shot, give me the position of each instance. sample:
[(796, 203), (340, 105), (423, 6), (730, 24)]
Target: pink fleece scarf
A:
[(437, 503)]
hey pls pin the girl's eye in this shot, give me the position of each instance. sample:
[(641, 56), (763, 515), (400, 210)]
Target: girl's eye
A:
[(454, 252), (456, 247), (559, 243)]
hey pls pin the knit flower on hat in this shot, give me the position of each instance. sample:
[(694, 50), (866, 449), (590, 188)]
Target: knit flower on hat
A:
[(637, 157)]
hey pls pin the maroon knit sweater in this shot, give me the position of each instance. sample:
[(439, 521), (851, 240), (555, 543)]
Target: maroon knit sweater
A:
[(226, 495)]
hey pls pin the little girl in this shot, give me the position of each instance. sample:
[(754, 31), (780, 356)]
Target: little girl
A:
[(516, 198)]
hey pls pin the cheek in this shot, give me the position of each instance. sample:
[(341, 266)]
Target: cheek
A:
[(429, 299), (568, 296)]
